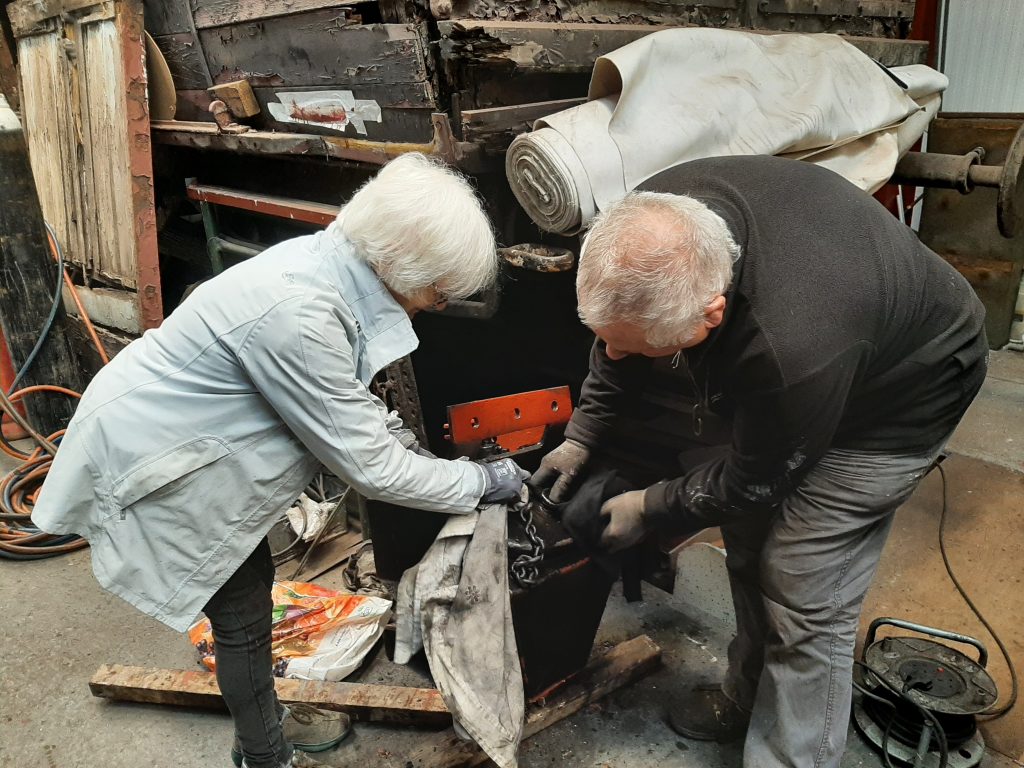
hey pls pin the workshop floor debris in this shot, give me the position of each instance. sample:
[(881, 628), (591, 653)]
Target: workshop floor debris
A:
[(59, 627)]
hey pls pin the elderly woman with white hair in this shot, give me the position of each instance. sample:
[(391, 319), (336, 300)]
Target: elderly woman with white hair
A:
[(188, 446)]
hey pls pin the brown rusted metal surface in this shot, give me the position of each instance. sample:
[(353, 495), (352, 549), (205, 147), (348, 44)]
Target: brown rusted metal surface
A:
[(140, 155), (8, 73), (964, 229), (269, 205)]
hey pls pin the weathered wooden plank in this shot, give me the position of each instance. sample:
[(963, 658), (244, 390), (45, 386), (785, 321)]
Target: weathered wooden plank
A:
[(108, 307), (573, 48), (218, 13), (184, 59), (898, 9), (206, 136), (28, 278), (623, 664), (495, 127), (26, 14), (318, 48), (167, 17), (198, 688), (398, 122)]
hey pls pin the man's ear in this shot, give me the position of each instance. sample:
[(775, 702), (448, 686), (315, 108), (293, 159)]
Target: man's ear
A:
[(714, 312)]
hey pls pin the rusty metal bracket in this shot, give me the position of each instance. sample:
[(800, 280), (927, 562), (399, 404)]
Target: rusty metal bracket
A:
[(965, 172), (513, 421)]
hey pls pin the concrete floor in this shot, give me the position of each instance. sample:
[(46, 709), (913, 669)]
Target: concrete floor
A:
[(59, 626)]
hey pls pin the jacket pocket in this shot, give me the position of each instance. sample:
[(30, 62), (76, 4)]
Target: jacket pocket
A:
[(166, 468)]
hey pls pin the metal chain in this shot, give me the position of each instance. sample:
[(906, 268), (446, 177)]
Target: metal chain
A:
[(526, 568)]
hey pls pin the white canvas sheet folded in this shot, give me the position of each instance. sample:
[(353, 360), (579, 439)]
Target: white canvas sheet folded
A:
[(682, 94)]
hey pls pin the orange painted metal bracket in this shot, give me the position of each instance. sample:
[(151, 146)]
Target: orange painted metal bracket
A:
[(513, 421)]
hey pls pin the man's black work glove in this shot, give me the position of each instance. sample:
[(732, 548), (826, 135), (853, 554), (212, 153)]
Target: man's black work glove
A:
[(561, 468), (504, 481), (625, 524)]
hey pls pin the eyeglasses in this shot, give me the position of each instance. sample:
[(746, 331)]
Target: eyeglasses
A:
[(440, 297)]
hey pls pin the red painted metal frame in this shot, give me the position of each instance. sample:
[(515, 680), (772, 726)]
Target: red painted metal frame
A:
[(282, 207), (521, 417)]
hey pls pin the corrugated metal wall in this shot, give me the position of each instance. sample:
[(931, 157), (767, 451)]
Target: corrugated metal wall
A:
[(984, 56)]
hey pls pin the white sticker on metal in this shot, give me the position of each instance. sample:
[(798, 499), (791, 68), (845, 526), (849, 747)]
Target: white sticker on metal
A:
[(325, 109)]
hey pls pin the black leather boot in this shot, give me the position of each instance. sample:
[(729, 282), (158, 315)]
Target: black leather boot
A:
[(707, 714)]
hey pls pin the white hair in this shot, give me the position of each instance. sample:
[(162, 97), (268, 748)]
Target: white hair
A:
[(420, 224), (654, 261)]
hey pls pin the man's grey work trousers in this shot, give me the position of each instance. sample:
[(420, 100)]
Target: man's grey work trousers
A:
[(798, 583)]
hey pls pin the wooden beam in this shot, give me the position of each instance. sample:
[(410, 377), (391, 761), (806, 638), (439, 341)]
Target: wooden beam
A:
[(495, 127), (207, 136), (198, 688), (26, 14), (333, 52), (623, 664), (28, 279), (570, 47), (218, 13)]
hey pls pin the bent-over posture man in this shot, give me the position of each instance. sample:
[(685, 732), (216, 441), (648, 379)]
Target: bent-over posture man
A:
[(188, 446), (843, 351)]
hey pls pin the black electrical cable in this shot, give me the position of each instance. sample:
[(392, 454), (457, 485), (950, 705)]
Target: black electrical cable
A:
[(993, 712), (939, 733), (54, 306)]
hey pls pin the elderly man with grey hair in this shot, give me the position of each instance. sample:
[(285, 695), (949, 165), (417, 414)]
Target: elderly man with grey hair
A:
[(842, 351), (188, 446)]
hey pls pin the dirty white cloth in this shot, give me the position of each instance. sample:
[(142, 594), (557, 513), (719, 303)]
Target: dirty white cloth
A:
[(455, 605), (682, 94), (188, 446)]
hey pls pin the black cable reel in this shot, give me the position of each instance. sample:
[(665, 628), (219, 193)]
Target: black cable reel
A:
[(920, 698)]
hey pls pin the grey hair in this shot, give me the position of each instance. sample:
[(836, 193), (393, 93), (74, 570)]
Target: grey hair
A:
[(420, 224), (655, 261)]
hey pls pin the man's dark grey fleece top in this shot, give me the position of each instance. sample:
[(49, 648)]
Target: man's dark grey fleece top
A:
[(841, 330)]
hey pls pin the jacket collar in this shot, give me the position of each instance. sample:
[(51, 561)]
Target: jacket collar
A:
[(383, 326), (733, 216)]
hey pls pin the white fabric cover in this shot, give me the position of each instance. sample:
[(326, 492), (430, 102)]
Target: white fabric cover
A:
[(682, 94)]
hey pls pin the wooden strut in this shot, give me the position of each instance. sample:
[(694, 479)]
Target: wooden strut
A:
[(203, 135), (623, 664), (198, 688)]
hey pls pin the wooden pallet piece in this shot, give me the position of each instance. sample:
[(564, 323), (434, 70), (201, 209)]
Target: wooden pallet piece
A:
[(623, 664), (198, 688)]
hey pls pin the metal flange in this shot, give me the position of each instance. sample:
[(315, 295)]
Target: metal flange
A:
[(966, 172)]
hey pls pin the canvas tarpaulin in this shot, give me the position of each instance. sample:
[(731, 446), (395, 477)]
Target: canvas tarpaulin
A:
[(682, 94)]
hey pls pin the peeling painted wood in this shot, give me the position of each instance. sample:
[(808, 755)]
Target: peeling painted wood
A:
[(87, 122), (206, 136), (573, 48), (315, 49), (184, 59), (26, 15), (218, 13), (28, 277), (406, 110), (167, 17)]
